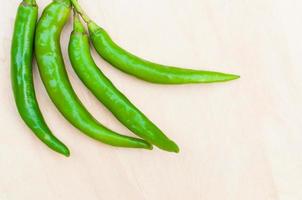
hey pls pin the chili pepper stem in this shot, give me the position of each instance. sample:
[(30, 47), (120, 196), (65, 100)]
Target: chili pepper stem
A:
[(79, 10)]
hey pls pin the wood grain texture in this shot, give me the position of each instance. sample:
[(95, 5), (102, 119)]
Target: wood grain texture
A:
[(239, 140)]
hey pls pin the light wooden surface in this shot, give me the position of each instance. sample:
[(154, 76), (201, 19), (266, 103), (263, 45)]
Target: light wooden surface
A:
[(240, 140)]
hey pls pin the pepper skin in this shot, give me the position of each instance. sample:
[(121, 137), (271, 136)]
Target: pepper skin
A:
[(58, 86), (108, 94), (22, 77)]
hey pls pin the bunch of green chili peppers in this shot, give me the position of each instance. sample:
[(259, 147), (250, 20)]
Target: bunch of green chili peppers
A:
[(43, 39)]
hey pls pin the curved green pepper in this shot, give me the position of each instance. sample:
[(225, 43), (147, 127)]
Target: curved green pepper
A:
[(146, 70)]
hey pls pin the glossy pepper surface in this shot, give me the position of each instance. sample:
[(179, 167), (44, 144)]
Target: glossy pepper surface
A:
[(22, 77), (58, 86), (108, 94)]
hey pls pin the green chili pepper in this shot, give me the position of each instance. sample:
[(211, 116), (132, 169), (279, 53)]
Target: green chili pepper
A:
[(58, 86), (108, 94), (141, 68), (22, 78)]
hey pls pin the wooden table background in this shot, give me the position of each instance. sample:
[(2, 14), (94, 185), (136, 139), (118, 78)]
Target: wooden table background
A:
[(240, 140)]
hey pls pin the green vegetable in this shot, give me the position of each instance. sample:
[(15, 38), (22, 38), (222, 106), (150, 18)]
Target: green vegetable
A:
[(108, 94), (22, 77), (58, 86), (143, 69)]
